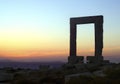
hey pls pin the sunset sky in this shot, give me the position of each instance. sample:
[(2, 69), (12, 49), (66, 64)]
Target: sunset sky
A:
[(38, 30)]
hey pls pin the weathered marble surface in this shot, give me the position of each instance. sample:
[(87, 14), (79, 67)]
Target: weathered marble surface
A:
[(98, 21)]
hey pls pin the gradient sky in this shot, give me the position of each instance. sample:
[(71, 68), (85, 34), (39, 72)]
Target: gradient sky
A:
[(39, 29)]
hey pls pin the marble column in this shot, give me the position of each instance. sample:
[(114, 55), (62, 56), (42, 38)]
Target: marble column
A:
[(72, 39), (98, 38)]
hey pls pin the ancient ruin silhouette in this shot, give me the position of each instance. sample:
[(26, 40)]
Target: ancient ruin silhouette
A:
[(98, 24)]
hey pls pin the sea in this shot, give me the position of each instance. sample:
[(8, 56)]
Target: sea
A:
[(30, 65), (36, 65)]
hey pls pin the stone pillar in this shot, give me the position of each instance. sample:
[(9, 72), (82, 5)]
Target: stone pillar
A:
[(99, 38), (72, 39)]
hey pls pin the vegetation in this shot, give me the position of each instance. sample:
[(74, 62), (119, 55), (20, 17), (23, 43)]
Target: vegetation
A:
[(58, 76), (112, 77)]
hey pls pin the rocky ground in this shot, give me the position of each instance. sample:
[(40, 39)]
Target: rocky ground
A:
[(67, 74)]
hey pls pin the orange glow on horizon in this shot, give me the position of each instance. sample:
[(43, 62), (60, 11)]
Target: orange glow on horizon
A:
[(52, 53)]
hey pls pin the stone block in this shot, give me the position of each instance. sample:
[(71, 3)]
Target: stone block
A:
[(75, 59), (94, 59)]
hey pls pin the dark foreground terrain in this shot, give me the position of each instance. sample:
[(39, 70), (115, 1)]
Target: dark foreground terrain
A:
[(66, 74)]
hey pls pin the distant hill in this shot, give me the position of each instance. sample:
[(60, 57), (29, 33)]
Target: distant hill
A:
[(5, 60), (26, 65)]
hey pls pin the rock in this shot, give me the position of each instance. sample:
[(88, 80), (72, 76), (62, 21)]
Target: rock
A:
[(5, 77)]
